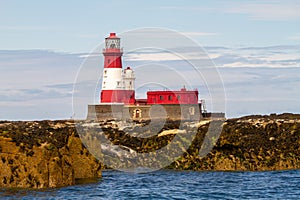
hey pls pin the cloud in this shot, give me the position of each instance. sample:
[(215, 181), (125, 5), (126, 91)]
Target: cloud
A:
[(270, 57), (256, 10), (163, 56), (295, 37), (25, 28), (89, 55), (271, 10), (38, 84), (39, 68), (200, 33), (87, 36), (67, 86), (187, 8), (246, 65), (33, 82)]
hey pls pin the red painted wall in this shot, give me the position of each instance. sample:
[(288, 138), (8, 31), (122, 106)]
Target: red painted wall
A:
[(112, 58), (172, 97), (117, 96)]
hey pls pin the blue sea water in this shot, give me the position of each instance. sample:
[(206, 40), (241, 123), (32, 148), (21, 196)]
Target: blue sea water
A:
[(168, 184)]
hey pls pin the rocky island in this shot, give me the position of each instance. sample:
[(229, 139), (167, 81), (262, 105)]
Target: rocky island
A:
[(42, 154)]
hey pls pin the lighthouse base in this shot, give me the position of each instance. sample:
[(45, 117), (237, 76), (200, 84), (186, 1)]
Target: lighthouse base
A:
[(145, 112)]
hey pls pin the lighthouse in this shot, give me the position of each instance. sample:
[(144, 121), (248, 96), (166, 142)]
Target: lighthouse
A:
[(117, 97), (117, 83)]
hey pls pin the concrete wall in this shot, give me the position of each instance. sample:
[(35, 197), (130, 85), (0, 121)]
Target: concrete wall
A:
[(105, 111), (214, 115), (145, 112)]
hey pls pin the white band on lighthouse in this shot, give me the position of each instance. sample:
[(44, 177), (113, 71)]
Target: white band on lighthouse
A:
[(112, 79), (118, 79)]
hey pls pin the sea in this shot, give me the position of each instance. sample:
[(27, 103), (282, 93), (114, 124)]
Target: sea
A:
[(172, 184)]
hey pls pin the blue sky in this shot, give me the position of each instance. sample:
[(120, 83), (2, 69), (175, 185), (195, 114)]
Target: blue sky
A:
[(254, 44), (78, 26)]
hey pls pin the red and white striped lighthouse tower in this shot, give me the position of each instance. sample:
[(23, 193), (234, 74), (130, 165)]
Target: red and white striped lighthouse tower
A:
[(117, 84)]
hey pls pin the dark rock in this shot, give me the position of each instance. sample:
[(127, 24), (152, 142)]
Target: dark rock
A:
[(42, 154)]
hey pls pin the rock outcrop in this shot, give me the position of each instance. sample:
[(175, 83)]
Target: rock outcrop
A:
[(43, 154), (252, 143)]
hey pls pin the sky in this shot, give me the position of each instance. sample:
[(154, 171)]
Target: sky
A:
[(255, 46)]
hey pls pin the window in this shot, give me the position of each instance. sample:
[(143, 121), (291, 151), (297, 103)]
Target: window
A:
[(137, 113), (161, 97), (112, 46), (170, 98), (108, 61), (178, 97), (105, 72), (192, 110), (118, 83)]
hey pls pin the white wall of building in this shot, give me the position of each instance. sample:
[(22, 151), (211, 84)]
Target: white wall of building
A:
[(128, 79)]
